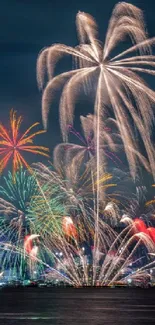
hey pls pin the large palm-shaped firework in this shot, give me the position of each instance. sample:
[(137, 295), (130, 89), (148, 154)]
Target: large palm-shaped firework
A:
[(12, 144), (116, 77), (118, 83)]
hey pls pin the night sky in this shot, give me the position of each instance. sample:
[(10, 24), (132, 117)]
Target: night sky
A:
[(26, 26)]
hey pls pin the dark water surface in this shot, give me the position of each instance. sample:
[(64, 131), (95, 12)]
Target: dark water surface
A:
[(92, 306)]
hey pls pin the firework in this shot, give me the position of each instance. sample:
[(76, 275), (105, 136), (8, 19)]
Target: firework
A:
[(117, 76), (85, 151), (75, 258), (22, 202), (15, 198), (60, 221), (69, 227), (12, 144), (151, 232), (19, 189), (116, 261), (73, 184), (61, 247), (117, 82), (138, 206)]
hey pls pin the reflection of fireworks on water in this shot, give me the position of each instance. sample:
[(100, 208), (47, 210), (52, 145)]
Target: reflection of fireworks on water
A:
[(12, 143)]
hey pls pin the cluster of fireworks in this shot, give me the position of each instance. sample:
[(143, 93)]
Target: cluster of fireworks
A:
[(76, 220)]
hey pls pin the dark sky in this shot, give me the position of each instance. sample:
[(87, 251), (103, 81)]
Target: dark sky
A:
[(26, 26)]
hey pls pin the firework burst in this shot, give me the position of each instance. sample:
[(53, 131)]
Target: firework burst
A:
[(118, 84), (85, 150), (19, 189), (21, 220), (12, 144), (118, 79), (60, 221)]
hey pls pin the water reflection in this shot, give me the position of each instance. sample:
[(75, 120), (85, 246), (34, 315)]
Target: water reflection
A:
[(77, 306)]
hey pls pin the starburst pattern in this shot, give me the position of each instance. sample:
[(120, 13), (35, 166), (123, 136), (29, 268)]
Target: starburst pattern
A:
[(12, 144)]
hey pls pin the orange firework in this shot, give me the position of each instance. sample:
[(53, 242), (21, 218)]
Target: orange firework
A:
[(69, 227), (12, 143)]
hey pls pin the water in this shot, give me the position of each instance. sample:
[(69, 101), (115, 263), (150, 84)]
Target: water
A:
[(97, 306)]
